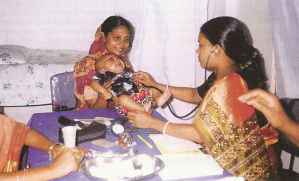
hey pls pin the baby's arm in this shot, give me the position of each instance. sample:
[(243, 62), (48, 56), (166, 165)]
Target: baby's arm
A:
[(101, 89)]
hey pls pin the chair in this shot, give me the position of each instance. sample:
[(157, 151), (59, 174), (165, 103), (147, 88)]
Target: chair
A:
[(62, 92), (291, 107)]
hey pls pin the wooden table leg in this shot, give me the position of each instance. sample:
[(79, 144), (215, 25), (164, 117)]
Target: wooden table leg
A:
[(1, 110)]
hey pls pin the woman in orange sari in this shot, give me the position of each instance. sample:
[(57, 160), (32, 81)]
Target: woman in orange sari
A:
[(14, 135), (228, 128), (113, 36)]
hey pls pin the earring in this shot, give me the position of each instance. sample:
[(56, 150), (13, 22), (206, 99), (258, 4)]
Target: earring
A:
[(216, 51)]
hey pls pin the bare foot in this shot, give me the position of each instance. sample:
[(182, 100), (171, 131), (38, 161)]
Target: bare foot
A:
[(160, 100), (148, 107)]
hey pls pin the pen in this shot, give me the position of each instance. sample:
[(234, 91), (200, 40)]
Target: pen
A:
[(147, 143)]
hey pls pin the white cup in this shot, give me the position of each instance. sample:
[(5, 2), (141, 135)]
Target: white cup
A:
[(69, 136)]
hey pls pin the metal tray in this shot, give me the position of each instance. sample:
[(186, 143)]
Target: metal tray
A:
[(131, 168)]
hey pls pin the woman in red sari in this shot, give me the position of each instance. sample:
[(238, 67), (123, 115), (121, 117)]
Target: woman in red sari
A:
[(14, 135), (113, 36), (228, 128)]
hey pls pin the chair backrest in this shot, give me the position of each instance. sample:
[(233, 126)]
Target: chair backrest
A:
[(62, 92), (291, 107)]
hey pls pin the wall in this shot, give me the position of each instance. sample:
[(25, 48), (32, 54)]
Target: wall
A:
[(166, 35), (55, 24), (67, 24)]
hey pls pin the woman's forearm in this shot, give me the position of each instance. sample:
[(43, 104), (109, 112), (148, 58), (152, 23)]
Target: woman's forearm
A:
[(141, 119), (66, 162), (96, 103), (37, 140), (100, 103), (182, 93), (96, 86), (184, 131)]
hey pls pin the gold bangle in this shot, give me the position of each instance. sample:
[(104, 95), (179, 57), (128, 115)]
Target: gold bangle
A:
[(51, 148)]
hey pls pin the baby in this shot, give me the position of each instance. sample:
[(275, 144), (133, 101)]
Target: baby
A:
[(131, 96)]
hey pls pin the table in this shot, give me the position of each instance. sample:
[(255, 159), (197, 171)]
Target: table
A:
[(47, 124)]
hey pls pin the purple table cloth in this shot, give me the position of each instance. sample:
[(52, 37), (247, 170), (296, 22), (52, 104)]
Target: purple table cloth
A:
[(47, 124)]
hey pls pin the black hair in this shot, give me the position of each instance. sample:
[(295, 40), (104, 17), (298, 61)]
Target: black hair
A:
[(231, 35), (113, 22), (116, 21)]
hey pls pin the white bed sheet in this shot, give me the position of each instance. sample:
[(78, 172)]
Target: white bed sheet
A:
[(29, 84)]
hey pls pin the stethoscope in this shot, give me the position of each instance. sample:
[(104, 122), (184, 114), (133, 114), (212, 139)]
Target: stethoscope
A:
[(170, 106), (208, 62)]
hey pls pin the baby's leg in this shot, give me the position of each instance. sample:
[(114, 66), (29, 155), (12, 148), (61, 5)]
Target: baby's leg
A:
[(160, 98), (132, 105)]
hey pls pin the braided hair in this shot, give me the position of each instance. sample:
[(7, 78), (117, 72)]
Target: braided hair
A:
[(229, 33)]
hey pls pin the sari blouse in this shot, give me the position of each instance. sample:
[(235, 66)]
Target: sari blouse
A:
[(231, 133), (12, 139), (84, 69)]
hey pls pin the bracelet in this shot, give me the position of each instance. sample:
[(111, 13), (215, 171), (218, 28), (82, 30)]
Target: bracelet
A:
[(165, 126), (51, 148)]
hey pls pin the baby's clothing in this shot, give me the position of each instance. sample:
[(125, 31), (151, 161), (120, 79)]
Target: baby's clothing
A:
[(141, 97), (124, 84)]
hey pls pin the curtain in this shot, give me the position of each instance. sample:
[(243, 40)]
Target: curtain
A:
[(166, 39), (285, 27), (166, 34), (165, 43)]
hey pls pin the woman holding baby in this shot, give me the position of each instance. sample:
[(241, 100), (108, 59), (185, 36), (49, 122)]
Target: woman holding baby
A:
[(111, 39), (113, 36)]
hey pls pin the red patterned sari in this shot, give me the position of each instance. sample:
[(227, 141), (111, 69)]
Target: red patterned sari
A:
[(84, 69), (231, 132), (12, 139)]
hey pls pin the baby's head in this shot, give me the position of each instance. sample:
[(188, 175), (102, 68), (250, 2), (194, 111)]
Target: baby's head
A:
[(110, 62)]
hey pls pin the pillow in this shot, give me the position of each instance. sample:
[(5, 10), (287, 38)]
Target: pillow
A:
[(56, 56), (14, 54)]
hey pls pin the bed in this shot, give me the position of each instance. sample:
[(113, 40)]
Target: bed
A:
[(25, 73)]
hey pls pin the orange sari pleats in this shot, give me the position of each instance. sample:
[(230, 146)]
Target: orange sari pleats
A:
[(12, 137)]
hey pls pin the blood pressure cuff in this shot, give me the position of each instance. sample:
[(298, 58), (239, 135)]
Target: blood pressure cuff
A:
[(91, 132)]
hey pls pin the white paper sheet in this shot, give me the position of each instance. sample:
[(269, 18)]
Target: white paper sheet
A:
[(174, 144), (182, 166)]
